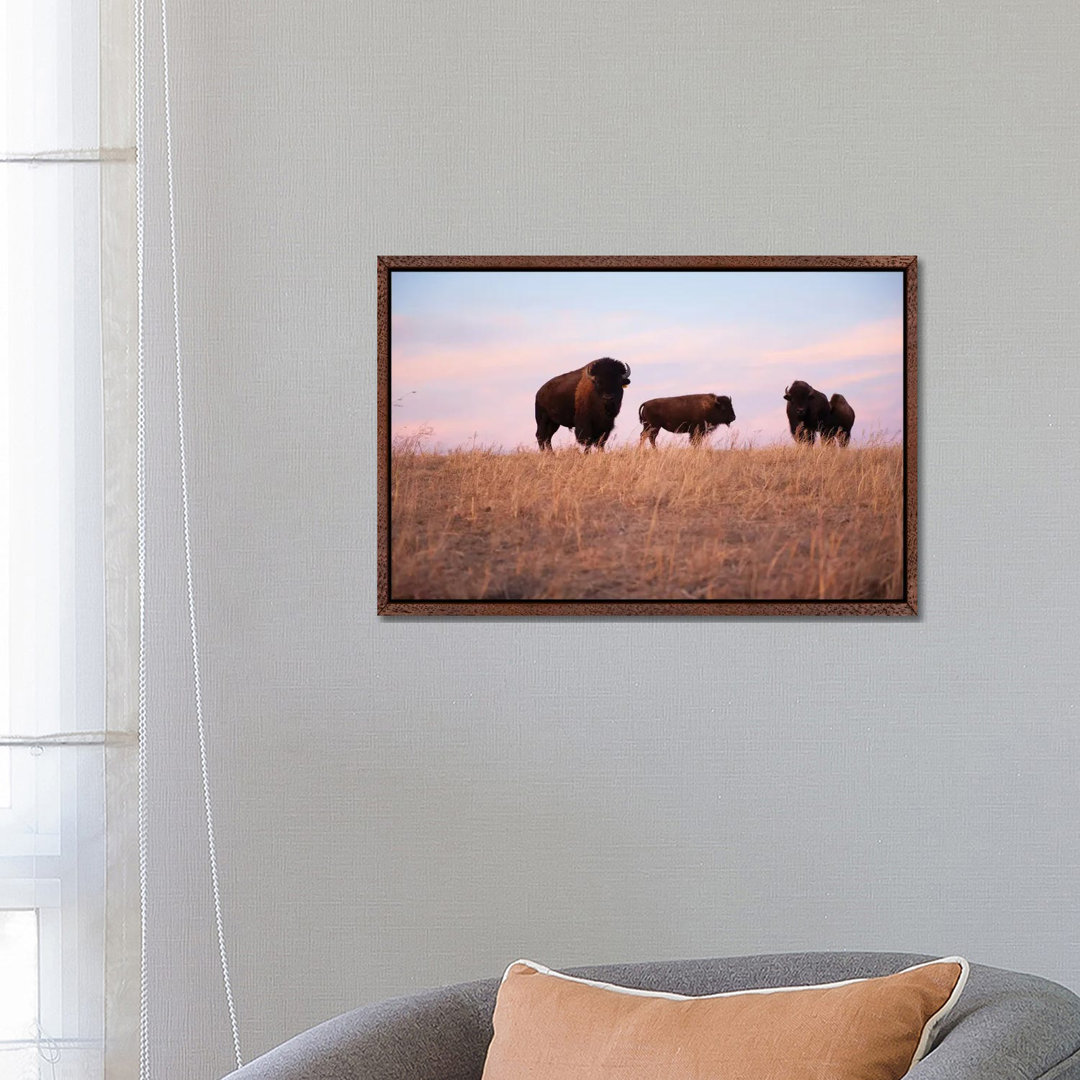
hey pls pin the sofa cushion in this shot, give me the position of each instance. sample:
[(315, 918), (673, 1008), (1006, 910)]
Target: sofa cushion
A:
[(552, 1026)]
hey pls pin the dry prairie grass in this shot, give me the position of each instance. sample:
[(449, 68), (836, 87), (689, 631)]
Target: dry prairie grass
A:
[(678, 523)]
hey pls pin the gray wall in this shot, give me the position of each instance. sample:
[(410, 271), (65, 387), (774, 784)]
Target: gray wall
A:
[(408, 803)]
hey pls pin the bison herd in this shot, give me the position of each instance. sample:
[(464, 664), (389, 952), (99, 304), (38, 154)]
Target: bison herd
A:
[(587, 401)]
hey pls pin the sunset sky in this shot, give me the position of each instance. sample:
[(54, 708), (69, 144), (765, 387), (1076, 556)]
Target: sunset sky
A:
[(469, 349)]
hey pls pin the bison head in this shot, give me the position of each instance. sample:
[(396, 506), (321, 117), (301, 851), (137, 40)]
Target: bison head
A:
[(800, 398), (609, 377), (722, 412)]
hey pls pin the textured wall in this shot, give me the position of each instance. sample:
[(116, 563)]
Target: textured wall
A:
[(414, 802)]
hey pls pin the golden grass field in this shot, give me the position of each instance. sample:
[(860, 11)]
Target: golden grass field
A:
[(776, 522)]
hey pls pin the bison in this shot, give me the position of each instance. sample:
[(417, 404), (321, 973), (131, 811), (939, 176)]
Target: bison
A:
[(807, 411), (586, 401), (840, 421), (693, 414), (810, 413)]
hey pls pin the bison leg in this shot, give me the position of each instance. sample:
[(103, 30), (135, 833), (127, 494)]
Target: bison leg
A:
[(697, 434), (545, 429), (648, 432)]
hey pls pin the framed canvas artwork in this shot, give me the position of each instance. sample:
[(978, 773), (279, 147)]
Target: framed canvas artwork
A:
[(653, 435)]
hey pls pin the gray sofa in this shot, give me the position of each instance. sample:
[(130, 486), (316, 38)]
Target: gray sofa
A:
[(1006, 1026)]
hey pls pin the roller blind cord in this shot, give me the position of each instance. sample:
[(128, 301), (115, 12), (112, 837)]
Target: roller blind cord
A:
[(140, 97)]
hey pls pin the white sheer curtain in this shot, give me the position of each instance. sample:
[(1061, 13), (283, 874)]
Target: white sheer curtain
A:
[(60, 246)]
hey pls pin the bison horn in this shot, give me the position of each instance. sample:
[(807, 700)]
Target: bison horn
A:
[(627, 369)]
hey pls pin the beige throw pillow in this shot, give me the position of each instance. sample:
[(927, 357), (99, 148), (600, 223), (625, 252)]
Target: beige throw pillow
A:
[(550, 1026)]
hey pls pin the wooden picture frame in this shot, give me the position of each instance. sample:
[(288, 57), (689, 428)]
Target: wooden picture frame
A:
[(466, 581)]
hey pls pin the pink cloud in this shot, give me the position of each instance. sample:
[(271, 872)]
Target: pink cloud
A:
[(565, 344), (875, 339)]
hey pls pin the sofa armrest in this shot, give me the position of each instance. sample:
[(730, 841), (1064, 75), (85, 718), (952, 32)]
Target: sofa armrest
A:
[(440, 1034), (1007, 1026)]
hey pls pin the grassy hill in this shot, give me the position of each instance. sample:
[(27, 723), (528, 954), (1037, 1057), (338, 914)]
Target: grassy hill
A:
[(678, 523)]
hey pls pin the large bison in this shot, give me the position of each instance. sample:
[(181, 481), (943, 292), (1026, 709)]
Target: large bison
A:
[(586, 401), (807, 411), (693, 414), (840, 422)]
